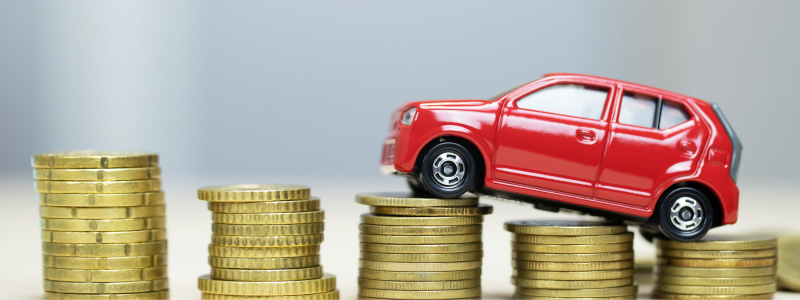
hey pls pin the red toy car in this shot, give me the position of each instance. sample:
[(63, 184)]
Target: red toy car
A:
[(600, 146)]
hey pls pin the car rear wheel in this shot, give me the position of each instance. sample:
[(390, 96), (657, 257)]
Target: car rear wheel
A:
[(448, 170), (685, 215)]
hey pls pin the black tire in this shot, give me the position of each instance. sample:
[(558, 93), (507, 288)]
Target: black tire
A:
[(685, 215), (416, 188), (449, 157)]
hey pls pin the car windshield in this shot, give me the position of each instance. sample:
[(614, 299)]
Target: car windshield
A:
[(506, 92)]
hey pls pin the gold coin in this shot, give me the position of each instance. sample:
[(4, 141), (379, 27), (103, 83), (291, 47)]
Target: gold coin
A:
[(105, 250), (132, 212), (716, 290), (573, 240), (420, 239), (482, 209), (717, 263), (442, 248), (104, 237), (104, 263), (102, 200), (220, 251), (267, 230), (266, 241), (442, 294), (422, 258), (271, 263), (726, 243), (570, 228), (710, 281), (418, 267), (788, 263), (267, 288), (271, 218), (570, 284), (406, 199), (123, 275), (526, 297), (97, 174), (97, 187), (419, 230), (586, 275), (267, 275), (310, 204), (136, 296), (572, 249), (103, 225), (90, 159), (604, 292), (419, 285), (716, 254), (660, 295), (420, 221), (420, 276), (106, 287), (332, 295), (714, 272), (566, 257), (253, 192), (571, 266)]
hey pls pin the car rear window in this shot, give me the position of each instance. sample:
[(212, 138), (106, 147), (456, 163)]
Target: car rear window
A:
[(672, 114)]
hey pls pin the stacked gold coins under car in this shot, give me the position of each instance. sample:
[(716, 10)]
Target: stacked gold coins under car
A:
[(103, 225), (265, 244), (572, 259), (420, 248), (789, 263), (716, 267)]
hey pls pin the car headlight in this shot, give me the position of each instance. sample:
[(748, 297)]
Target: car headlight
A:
[(408, 116)]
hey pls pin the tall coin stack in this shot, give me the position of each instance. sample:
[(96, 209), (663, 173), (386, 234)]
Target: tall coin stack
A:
[(716, 267), (103, 225), (265, 244), (572, 259), (420, 248)]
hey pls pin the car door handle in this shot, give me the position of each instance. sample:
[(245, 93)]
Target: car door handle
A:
[(585, 134), (687, 146)]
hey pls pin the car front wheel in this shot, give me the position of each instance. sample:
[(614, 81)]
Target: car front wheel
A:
[(685, 215), (448, 170)]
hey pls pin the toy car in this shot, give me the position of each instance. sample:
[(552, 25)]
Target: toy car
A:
[(605, 147)]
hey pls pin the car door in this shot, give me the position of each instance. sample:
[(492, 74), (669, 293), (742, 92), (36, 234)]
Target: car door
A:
[(553, 137), (652, 141)]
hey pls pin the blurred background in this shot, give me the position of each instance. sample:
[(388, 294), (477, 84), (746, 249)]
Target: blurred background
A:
[(301, 92)]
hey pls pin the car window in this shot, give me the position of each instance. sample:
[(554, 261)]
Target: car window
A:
[(567, 99), (672, 114), (638, 110)]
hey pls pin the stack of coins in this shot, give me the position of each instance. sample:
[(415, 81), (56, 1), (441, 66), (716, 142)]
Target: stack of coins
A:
[(265, 244), (572, 259), (420, 248), (716, 267), (103, 225), (789, 263)]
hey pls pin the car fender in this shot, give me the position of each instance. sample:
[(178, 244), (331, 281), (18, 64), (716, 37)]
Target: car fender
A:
[(437, 132)]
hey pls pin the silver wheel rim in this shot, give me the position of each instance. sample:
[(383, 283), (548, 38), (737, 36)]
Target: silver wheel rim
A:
[(448, 169), (686, 214)]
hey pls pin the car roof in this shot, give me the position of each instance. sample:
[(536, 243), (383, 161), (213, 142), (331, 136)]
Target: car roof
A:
[(668, 94)]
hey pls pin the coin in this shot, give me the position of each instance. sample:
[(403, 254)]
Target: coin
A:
[(714, 272), (710, 281), (106, 287), (136, 296), (103, 225), (102, 200), (442, 248), (418, 221), (105, 250), (570, 228), (527, 297), (104, 237), (406, 199), (788, 263), (573, 240), (267, 275), (604, 292), (571, 266), (123, 275), (267, 288), (253, 192), (716, 290), (573, 249), (420, 276), (585, 275), (718, 263), (266, 241), (726, 243), (566, 257), (91, 159), (570, 284), (418, 267), (97, 187), (482, 209), (420, 239), (661, 295), (270, 218), (442, 294), (267, 230), (419, 285), (427, 257), (310, 204), (103, 263), (419, 230), (332, 295), (220, 251), (132, 212), (97, 174), (264, 263), (716, 254)]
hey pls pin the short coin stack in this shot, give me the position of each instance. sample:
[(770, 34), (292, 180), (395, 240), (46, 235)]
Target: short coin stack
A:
[(572, 259), (420, 248), (265, 244), (789, 263), (716, 267), (103, 225)]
